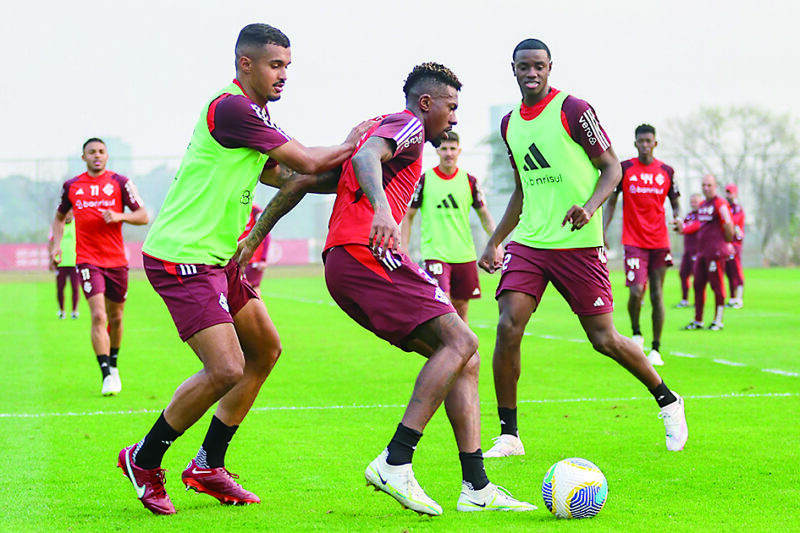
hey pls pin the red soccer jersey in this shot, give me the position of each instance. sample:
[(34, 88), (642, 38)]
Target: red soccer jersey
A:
[(690, 226), (644, 189), (351, 219), (96, 242), (711, 235), (737, 215)]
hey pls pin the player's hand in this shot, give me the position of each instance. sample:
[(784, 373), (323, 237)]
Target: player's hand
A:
[(259, 265), (356, 133), (55, 255), (492, 258), (737, 233), (577, 216), (384, 234), (111, 216), (244, 252), (677, 225)]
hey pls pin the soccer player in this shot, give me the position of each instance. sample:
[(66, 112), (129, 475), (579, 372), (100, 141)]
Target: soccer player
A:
[(98, 199), (733, 266), (556, 147), (388, 294), (443, 197), (254, 271), (688, 227), (713, 249), (646, 183), (187, 260), (65, 270)]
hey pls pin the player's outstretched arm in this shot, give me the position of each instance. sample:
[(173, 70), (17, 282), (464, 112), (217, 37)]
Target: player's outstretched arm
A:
[(610, 175), (57, 230), (385, 232), (492, 257), (727, 222), (293, 187), (315, 160)]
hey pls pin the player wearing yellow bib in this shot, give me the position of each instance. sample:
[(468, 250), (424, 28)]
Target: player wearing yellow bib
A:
[(443, 197), (65, 270), (556, 147)]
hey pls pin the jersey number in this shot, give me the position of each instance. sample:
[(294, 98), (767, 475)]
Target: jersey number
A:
[(436, 269), (85, 274)]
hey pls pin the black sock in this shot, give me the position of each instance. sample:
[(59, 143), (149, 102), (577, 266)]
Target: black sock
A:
[(656, 345), (155, 444), (401, 447), (212, 452), (102, 360), (663, 395), (508, 421), (112, 358), (472, 469), (637, 331)]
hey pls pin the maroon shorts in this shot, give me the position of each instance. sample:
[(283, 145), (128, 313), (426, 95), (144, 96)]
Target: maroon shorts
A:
[(253, 275), (579, 274), (459, 280), (198, 296), (639, 262), (390, 297), (112, 282)]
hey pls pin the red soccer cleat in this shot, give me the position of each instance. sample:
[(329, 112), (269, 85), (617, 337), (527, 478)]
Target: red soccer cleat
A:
[(217, 482), (149, 484)]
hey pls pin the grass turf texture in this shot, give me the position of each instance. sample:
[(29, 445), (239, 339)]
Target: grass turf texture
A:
[(338, 392)]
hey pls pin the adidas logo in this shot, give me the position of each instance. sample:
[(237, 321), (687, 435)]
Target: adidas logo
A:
[(599, 302), (452, 203), (476, 292)]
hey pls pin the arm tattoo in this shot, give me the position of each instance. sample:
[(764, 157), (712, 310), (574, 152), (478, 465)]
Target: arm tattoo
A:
[(284, 200)]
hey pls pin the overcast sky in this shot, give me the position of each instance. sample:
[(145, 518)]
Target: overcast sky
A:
[(141, 71)]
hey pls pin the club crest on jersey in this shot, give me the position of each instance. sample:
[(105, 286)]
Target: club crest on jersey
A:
[(87, 286), (108, 189)]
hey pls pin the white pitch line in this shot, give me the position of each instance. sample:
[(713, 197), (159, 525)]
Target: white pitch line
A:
[(401, 406), (780, 372), (728, 363)]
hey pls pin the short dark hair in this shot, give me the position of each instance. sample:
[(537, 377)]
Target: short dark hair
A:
[(430, 74), (531, 44), (92, 140), (451, 136), (644, 128), (258, 35)]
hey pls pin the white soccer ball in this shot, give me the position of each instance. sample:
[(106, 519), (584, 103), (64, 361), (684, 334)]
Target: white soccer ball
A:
[(574, 488)]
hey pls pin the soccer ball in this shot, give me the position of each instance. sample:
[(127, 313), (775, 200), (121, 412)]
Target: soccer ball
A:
[(574, 488)]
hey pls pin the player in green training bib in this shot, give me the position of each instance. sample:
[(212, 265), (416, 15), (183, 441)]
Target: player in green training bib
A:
[(443, 197), (556, 147), (187, 258)]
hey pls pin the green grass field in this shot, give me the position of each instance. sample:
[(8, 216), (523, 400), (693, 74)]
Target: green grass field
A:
[(337, 394)]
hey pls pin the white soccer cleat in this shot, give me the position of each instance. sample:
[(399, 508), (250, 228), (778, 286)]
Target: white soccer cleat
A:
[(398, 481), (111, 385), (716, 326), (639, 340), (117, 381), (504, 446), (694, 324), (674, 417), (655, 358), (490, 498), (682, 304)]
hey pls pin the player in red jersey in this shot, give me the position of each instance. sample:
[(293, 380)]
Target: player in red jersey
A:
[(388, 294), (688, 227), (98, 198), (733, 266), (713, 249), (254, 271), (646, 183)]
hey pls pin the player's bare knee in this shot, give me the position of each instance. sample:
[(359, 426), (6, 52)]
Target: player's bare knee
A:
[(637, 291), (509, 330), (224, 376), (605, 342), (473, 365)]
